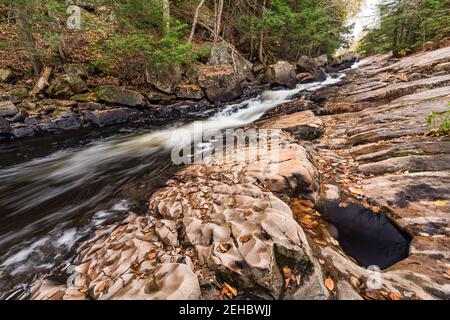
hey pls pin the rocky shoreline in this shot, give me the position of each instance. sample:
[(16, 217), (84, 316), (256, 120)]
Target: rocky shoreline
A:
[(72, 98), (240, 230)]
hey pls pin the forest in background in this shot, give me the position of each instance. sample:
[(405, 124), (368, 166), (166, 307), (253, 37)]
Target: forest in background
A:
[(120, 38)]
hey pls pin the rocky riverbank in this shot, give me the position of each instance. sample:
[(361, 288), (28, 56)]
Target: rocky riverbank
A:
[(268, 228), (75, 97)]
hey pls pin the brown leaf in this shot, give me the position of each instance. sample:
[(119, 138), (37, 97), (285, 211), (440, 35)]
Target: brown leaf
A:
[(356, 191), (329, 283), (224, 247), (287, 272), (245, 239), (447, 272), (151, 255), (441, 203), (229, 291), (393, 296), (321, 242), (355, 281)]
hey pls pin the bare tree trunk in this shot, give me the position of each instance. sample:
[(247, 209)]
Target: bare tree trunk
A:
[(27, 38), (194, 23), (166, 14), (218, 10), (261, 39)]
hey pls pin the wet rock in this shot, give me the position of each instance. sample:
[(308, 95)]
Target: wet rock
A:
[(160, 97), (22, 131), (20, 116), (90, 106), (304, 77), (302, 125), (120, 95), (77, 69), (220, 82), (7, 109), (4, 126), (189, 91), (107, 117), (164, 79), (66, 86), (309, 65), (281, 73), (65, 120), (6, 75)]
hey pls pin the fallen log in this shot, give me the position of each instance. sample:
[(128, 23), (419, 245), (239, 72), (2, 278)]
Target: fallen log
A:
[(42, 81)]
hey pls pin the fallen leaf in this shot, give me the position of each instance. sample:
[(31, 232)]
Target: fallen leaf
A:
[(224, 247), (355, 281), (151, 255), (287, 272), (394, 297), (245, 239), (403, 77), (356, 191), (447, 272), (329, 283), (321, 242), (441, 203), (229, 291)]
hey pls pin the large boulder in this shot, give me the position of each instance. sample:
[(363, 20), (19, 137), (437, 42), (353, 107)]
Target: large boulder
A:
[(66, 86), (306, 64), (322, 60), (225, 53), (119, 95), (103, 118), (164, 79), (6, 75), (282, 73), (7, 109), (303, 125), (220, 83)]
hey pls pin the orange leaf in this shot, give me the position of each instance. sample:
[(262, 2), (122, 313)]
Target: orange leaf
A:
[(245, 239), (329, 283)]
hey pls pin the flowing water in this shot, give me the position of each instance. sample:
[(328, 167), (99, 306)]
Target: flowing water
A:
[(55, 190)]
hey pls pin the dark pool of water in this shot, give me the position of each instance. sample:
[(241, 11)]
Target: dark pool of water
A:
[(368, 237)]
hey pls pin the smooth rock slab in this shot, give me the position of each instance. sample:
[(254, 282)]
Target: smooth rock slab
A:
[(302, 125)]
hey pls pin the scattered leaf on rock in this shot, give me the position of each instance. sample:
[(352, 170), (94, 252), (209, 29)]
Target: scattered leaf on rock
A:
[(355, 281), (321, 242), (151, 255), (393, 296), (224, 247), (441, 203), (228, 291), (245, 239), (329, 283)]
